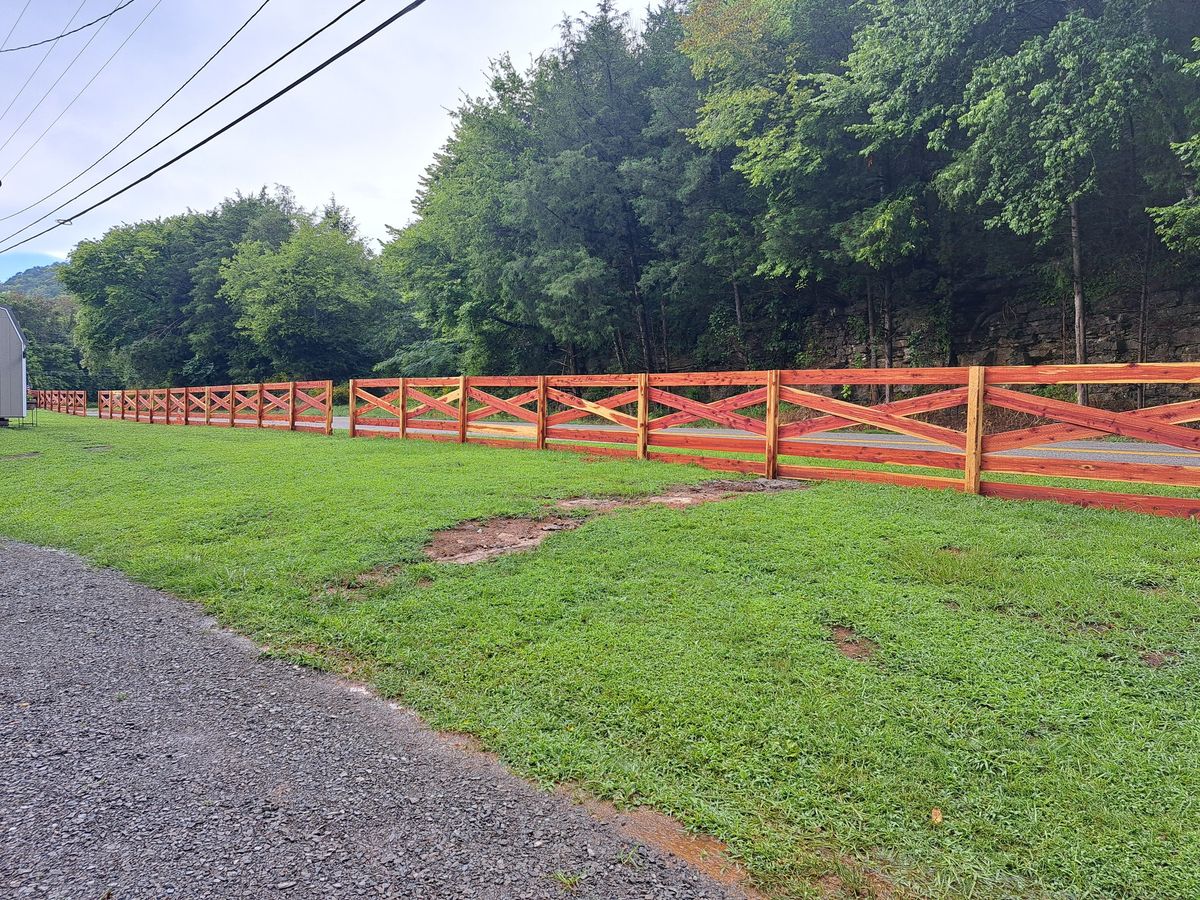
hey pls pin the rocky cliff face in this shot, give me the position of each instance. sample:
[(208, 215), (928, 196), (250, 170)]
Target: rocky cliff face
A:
[(1005, 327)]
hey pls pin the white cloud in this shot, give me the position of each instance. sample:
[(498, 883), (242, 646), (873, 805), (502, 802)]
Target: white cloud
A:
[(363, 130)]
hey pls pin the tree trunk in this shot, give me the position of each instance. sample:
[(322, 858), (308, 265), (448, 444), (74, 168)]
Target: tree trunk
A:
[(662, 314), (737, 304), (872, 339), (1081, 390), (1144, 308), (887, 333)]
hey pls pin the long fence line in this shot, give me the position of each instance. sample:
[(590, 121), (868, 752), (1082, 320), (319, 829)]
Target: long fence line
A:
[(288, 405), (772, 423), (73, 403)]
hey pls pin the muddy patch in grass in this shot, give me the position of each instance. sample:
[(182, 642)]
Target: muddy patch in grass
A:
[(851, 644), (471, 542), (1157, 659), (665, 834), (480, 540), (98, 448), (33, 454)]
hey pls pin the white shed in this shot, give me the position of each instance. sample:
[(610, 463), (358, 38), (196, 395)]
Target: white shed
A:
[(14, 379)]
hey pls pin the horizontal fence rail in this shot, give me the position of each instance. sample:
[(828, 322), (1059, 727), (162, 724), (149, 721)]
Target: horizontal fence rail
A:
[(996, 431), (285, 405), (73, 403)]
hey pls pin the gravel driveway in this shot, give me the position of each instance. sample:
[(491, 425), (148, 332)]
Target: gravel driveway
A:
[(145, 753)]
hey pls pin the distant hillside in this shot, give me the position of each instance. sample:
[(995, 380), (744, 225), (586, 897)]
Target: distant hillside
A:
[(40, 281)]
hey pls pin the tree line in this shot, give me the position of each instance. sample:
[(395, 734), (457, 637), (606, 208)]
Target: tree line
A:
[(698, 192)]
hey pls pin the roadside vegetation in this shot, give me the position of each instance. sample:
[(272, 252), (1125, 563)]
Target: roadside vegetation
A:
[(864, 690)]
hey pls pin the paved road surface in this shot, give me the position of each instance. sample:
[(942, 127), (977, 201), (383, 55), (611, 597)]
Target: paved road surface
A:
[(147, 753), (1083, 451)]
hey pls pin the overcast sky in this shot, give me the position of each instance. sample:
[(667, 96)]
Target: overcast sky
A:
[(363, 129)]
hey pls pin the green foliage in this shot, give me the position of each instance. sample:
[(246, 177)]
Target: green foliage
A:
[(687, 661), (734, 183), (255, 289), (308, 306)]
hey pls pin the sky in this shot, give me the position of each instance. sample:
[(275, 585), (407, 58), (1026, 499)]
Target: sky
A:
[(363, 130)]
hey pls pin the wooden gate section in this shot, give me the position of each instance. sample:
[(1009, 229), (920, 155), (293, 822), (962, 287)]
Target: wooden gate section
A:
[(286, 405)]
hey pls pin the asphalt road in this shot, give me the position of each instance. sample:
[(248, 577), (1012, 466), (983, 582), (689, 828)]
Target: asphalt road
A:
[(1083, 451), (147, 753)]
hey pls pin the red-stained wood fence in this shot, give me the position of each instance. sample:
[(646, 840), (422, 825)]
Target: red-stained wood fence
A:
[(286, 405), (785, 424), (73, 403), (979, 430)]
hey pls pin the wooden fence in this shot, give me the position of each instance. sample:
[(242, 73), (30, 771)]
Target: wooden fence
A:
[(949, 428), (287, 405), (775, 420), (72, 403)]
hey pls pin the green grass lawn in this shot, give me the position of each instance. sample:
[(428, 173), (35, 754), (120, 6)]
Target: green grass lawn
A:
[(682, 658)]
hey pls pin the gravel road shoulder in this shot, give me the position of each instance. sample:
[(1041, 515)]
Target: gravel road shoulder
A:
[(147, 753)]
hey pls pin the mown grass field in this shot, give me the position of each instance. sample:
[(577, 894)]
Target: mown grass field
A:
[(683, 658)]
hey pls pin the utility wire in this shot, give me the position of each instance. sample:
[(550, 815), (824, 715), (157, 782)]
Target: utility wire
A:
[(390, 20), (51, 40), (198, 115), (38, 67), (140, 124), (95, 34), (20, 16), (82, 90)]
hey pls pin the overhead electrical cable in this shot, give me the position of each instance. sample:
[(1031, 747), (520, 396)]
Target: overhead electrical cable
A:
[(390, 20), (63, 74), (198, 115), (59, 37), (38, 67), (82, 90), (144, 121), (20, 16)]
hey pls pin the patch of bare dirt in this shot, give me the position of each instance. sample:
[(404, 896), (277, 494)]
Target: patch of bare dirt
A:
[(30, 455), (951, 549), (1093, 627), (479, 540), (358, 587), (658, 830), (1156, 659), (98, 448), (851, 644), (472, 542)]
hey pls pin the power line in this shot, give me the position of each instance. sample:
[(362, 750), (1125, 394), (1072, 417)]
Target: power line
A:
[(390, 20), (51, 40), (139, 126), (38, 67), (82, 90), (20, 16), (38, 105), (198, 115)]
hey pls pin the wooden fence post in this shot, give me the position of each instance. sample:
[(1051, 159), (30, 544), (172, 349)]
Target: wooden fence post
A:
[(403, 407), (771, 448), (462, 409), (542, 401), (353, 407), (328, 407), (973, 466), (292, 407), (643, 415), (187, 406), (258, 411), (232, 405), (208, 405)]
